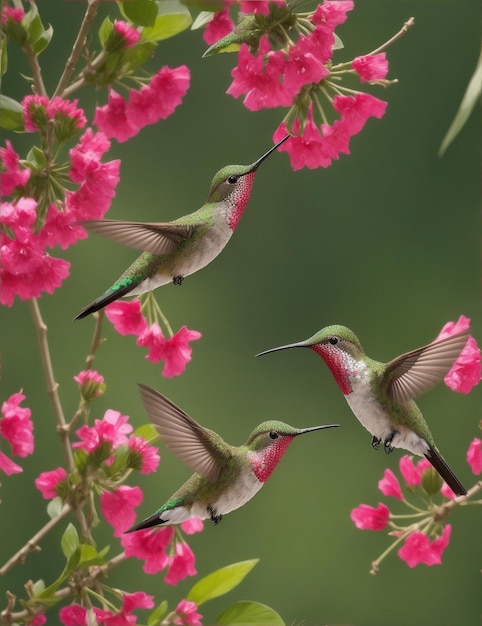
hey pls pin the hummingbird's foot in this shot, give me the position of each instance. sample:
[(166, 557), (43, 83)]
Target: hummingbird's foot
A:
[(177, 280), (376, 442), (214, 518), (387, 444)]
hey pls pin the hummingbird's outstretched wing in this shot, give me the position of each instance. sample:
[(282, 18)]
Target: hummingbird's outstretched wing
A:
[(440, 464), (413, 373), (187, 439), (156, 238)]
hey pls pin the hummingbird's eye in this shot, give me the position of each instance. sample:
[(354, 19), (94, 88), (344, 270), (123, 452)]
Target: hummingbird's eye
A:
[(333, 340), (273, 434), (232, 179)]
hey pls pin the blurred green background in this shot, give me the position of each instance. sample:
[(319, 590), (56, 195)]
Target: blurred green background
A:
[(385, 241)]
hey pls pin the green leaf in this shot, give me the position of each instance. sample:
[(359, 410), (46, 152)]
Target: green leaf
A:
[(220, 582), (54, 507), (147, 432), (470, 99), (38, 586), (202, 19), (338, 43), (89, 556), (249, 614), (10, 113), (3, 56), (139, 12), (43, 41), (105, 30), (172, 18), (70, 541), (157, 614)]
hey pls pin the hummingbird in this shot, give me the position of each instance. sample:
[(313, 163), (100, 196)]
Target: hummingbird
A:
[(226, 477), (381, 395), (173, 250)]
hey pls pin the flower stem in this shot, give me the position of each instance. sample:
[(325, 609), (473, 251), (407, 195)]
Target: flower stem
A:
[(408, 24), (77, 47), (32, 544), (96, 339)]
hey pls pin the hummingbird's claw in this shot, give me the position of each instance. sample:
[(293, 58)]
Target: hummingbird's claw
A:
[(177, 280), (388, 441), (214, 518), (376, 442)]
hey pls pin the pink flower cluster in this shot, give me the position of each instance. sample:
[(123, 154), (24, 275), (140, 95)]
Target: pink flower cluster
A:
[(91, 384), (76, 615), (417, 546), (466, 372), (66, 117), (26, 268), (186, 614), (16, 427), (16, 15), (155, 101), (175, 351), (155, 547)]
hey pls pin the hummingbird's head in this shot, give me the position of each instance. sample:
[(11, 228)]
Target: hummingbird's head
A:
[(269, 441), (339, 348), (232, 186)]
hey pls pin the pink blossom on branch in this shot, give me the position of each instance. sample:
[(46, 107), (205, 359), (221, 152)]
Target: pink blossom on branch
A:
[(113, 429), (418, 549), (91, 384), (47, 482), (126, 317), (12, 176), (130, 602), (129, 34), (474, 456), (220, 26), (174, 351), (149, 545), (73, 615), (186, 614), (366, 517), (118, 507), (144, 457), (466, 371), (181, 564), (412, 474), (371, 67), (390, 486), (16, 425)]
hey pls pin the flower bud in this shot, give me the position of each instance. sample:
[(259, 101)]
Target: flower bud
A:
[(431, 481)]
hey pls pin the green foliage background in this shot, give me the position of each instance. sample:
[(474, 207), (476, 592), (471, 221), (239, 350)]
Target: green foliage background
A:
[(385, 241)]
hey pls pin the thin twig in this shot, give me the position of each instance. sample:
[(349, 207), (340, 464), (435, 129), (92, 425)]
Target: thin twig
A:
[(408, 24), (52, 385), (36, 71), (99, 316), (8, 617), (32, 544), (77, 47)]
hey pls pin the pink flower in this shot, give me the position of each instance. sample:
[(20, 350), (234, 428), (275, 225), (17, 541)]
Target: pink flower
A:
[(332, 13), (8, 466), (67, 117), (447, 492), (355, 110), (175, 351), (130, 601), (111, 119), (466, 371), (118, 507), (418, 549), (73, 615), (91, 384), (13, 14), (474, 456), (180, 565), (146, 458), (129, 34), (61, 228), (38, 620), (192, 525), (306, 149), (390, 486), (126, 317), (47, 482), (16, 426), (113, 428), (94, 196), (35, 112), (220, 26), (86, 155), (371, 67), (412, 474), (13, 176), (149, 545), (186, 614), (366, 517), (258, 76), (170, 86)]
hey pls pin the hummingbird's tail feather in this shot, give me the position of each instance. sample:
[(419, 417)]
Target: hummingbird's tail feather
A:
[(111, 295), (445, 472), (149, 522)]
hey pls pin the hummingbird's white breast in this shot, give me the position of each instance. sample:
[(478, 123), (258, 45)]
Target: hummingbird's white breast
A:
[(374, 417)]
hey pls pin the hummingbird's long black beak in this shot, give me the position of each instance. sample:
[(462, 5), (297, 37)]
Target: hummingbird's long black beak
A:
[(299, 344), (257, 163), (310, 430)]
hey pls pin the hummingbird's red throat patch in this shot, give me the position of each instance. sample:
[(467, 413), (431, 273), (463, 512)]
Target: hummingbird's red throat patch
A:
[(239, 200), (339, 363), (264, 461)]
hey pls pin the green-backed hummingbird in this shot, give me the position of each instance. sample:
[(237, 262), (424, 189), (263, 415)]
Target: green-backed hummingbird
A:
[(174, 250), (381, 394), (226, 477)]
